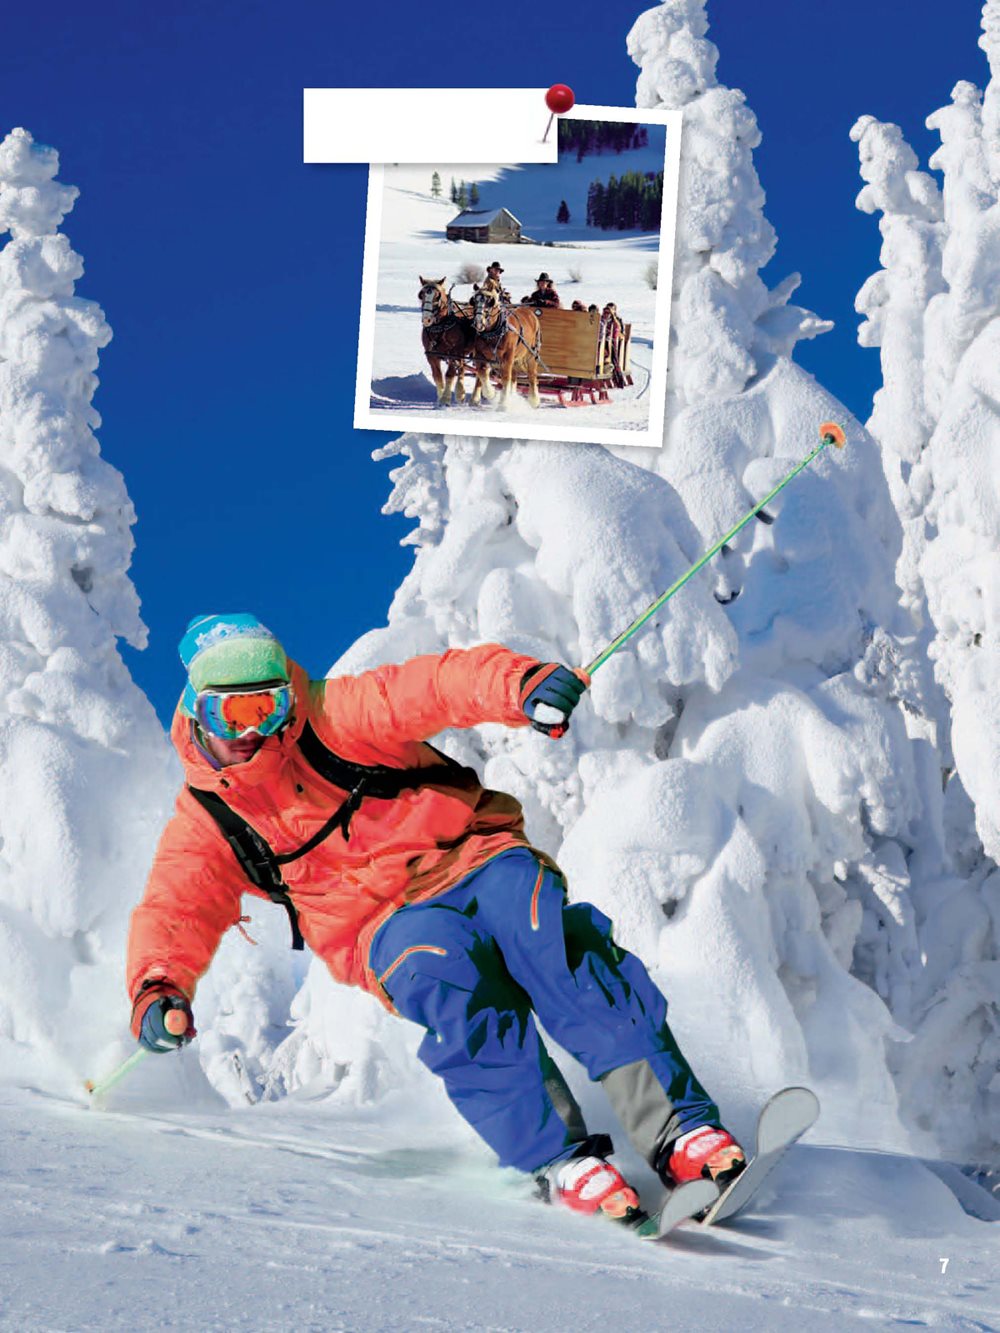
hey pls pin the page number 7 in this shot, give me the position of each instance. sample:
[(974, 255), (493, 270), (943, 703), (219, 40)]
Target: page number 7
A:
[(944, 1265)]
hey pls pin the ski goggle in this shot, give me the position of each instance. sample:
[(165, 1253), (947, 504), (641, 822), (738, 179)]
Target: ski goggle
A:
[(232, 714)]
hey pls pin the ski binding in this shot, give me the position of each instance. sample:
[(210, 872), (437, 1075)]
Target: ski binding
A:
[(782, 1121)]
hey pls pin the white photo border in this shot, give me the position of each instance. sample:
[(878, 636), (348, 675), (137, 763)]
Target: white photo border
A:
[(492, 425)]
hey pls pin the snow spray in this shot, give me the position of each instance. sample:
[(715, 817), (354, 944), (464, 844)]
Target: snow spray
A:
[(830, 433)]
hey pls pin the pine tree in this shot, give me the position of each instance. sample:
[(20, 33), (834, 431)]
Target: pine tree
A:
[(473, 194), (599, 197), (454, 191), (934, 312), (595, 136), (436, 186), (86, 778), (631, 202), (563, 214)]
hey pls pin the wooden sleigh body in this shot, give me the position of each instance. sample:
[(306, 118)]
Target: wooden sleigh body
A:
[(582, 358), (580, 354)]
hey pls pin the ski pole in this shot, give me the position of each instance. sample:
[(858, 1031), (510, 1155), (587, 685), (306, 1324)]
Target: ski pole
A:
[(98, 1089), (830, 433)]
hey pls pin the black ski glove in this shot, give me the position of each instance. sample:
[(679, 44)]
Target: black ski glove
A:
[(157, 1017), (555, 687)]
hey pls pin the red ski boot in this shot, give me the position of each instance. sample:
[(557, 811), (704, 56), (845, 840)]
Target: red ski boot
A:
[(592, 1185), (708, 1151)]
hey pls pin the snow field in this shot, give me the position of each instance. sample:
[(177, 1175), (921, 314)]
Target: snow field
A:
[(303, 1217)]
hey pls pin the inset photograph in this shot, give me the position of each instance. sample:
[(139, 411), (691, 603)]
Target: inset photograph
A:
[(528, 301)]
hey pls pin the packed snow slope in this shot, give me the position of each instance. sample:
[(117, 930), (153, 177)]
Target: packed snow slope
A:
[(587, 264), (159, 1214)]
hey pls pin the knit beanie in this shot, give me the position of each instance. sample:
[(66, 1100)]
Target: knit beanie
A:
[(222, 650)]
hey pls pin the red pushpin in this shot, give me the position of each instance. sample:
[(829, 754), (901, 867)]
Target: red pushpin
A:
[(558, 99)]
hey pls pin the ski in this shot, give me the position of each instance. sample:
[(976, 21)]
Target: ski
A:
[(782, 1120), (682, 1204)]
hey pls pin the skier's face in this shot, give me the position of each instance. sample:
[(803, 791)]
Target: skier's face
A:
[(233, 752)]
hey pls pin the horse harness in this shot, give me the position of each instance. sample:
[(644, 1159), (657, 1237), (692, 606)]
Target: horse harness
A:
[(435, 332), (502, 326), (379, 782), (498, 330), (445, 324)]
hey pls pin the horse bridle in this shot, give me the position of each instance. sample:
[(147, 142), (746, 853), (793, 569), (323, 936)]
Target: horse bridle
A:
[(493, 330), (431, 307)]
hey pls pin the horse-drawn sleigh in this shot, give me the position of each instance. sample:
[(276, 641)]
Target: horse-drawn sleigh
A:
[(576, 356)]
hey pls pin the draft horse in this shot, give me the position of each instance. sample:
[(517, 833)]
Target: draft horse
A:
[(507, 340), (447, 335)]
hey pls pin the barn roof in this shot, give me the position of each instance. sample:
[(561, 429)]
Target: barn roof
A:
[(480, 217)]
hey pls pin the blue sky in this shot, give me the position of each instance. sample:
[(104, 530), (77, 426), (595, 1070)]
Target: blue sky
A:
[(231, 273)]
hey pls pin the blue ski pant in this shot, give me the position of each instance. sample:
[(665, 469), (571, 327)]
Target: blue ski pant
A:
[(476, 964)]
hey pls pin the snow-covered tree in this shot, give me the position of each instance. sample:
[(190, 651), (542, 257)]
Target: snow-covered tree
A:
[(934, 310), (85, 776), (741, 793), (893, 301)]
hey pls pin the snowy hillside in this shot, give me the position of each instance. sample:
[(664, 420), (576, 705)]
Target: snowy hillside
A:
[(533, 193)]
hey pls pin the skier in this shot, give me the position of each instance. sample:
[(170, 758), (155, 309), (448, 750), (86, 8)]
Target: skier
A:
[(414, 882)]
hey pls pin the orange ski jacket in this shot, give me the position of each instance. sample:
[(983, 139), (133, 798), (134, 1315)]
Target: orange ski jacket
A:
[(399, 851)]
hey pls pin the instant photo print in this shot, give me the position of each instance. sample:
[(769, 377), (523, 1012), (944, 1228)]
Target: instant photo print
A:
[(527, 300)]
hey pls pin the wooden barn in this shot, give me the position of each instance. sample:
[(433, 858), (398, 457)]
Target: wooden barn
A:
[(498, 226)]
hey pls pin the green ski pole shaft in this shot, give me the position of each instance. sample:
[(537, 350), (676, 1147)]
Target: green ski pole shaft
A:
[(98, 1089), (830, 433)]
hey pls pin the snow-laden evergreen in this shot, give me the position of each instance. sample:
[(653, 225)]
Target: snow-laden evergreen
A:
[(934, 310), (740, 791), (727, 325), (85, 775)]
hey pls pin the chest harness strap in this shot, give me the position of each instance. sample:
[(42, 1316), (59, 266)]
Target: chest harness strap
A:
[(262, 866)]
